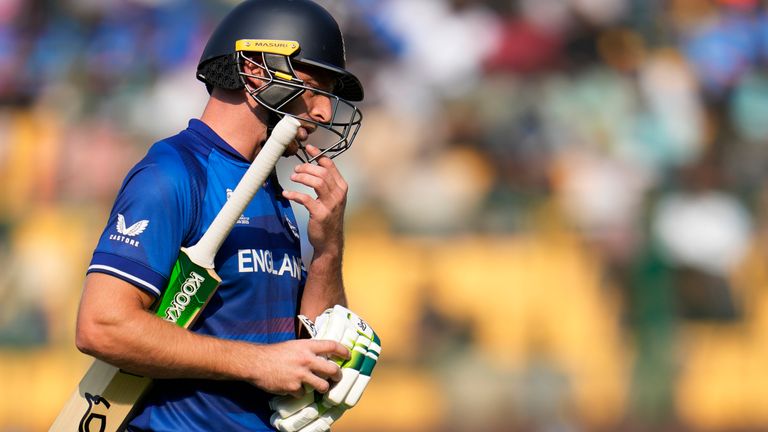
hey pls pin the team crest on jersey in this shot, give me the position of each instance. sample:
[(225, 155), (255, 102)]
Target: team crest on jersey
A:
[(242, 220), (294, 230), (125, 233)]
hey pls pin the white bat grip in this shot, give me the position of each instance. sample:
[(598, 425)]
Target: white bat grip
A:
[(203, 252)]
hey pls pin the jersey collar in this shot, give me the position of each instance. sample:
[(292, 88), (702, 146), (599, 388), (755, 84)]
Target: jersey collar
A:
[(209, 135)]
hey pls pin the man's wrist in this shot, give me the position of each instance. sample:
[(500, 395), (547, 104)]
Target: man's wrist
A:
[(237, 367), (332, 251), (327, 261)]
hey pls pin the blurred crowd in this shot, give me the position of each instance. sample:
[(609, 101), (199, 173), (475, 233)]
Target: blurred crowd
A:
[(546, 165)]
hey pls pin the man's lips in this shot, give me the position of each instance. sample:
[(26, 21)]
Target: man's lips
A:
[(304, 132)]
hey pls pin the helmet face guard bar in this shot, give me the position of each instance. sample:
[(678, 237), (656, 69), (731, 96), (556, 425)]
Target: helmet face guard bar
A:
[(281, 86)]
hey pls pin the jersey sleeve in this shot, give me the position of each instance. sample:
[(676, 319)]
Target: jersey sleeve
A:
[(150, 220)]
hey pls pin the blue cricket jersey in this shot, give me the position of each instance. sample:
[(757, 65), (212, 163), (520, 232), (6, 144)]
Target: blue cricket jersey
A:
[(168, 200)]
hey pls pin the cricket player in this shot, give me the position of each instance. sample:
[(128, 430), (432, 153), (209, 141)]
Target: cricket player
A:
[(267, 59)]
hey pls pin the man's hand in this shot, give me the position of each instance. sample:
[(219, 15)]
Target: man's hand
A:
[(326, 212), (288, 368)]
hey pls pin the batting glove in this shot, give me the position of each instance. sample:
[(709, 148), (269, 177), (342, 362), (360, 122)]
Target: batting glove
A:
[(315, 413), (344, 326)]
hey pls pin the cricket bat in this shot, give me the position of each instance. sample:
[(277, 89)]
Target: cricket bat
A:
[(106, 396)]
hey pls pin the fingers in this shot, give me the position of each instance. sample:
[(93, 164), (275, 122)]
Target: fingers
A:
[(330, 348), (319, 384), (326, 206), (321, 180), (301, 366), (325, 368), (329, 197), (323, 161), (322, 177), (317, 183), (315, 152), (318, 375), (303, 199)]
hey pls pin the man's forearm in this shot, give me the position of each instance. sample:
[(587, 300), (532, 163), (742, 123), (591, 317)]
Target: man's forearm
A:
[(325, 286), (147, 345)]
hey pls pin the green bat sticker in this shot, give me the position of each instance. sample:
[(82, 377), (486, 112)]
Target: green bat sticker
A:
[(189, 289)]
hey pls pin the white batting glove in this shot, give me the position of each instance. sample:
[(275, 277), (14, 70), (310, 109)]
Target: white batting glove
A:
[(314, 417), (365, 348), (313, 413)]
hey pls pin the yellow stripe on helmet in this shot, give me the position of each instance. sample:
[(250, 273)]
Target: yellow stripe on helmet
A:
[(283, 47)]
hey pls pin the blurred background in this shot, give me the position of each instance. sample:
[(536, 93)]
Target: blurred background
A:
[(558, 208)]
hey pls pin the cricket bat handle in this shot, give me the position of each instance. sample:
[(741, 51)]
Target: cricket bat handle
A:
[(205, 250)]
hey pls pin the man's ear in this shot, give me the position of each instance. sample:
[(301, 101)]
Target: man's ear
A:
[(253, 67)]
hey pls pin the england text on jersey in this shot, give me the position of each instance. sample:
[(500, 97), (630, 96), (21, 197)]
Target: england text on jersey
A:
[(261, 260)]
